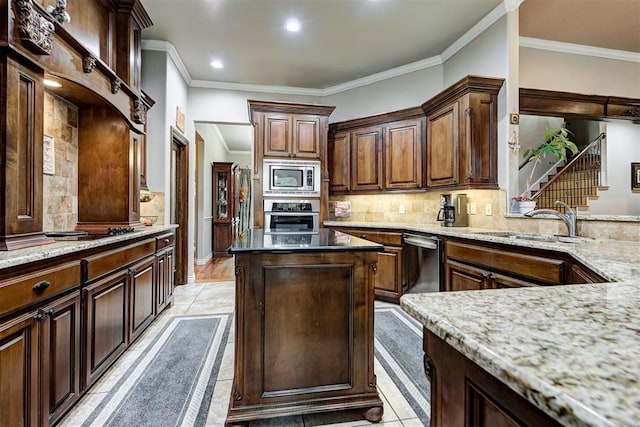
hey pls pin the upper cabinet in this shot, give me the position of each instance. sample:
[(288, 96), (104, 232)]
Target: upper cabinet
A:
[(462, 142), (383, 152), (288, 131)]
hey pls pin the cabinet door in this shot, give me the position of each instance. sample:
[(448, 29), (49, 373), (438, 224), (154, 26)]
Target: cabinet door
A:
[(403, 155), (442, 147), (366, 159), (222, 193), (461, 277), (107, 322), (339, 163), (277, 135), (143, 276), (19, 371), (222, 240), (61, 356), (306, 137), (500, 281), (388, 279), (478, 140)]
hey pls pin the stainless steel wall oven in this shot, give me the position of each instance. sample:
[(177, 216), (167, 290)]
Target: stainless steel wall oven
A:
[(291, 216)]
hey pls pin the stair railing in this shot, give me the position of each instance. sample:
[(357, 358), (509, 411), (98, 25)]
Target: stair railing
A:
[(575, 191)]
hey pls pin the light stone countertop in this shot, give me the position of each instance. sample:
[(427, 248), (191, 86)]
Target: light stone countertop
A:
[(616, 260), (572, 351), (63, 247)]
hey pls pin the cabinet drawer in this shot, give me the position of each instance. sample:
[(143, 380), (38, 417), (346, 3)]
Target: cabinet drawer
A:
[(382, 237), (106, 262), (538, 268), (38, 286), (164, 241)]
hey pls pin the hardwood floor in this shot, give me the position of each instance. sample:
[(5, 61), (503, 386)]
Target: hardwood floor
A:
[(216, 270)]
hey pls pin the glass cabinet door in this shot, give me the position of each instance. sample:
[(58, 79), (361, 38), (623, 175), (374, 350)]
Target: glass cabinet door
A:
[(222, 192)]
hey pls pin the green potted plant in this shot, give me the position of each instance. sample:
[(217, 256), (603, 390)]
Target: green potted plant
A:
[(555, 141)]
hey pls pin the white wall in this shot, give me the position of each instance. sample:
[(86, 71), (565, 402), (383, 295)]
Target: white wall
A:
[(544, 69), (622, 149), (154, 82), (409, 90)]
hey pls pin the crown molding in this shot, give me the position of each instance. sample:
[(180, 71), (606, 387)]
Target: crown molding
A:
[(289, 90), (480, 27), (578, 49), (164, 46)]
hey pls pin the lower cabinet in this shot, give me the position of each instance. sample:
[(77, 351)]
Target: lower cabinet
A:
[(19, 370), (107, 322), (464, 394), (143, 303), (389, 278), (61, 356), (474, 266)]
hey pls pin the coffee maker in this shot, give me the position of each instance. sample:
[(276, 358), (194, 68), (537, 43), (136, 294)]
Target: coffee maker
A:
[(453, 212)]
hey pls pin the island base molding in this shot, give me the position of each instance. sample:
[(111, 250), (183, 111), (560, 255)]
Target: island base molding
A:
[(464, 394)]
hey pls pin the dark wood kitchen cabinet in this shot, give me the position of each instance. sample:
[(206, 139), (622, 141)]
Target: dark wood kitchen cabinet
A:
[(377, 153), (166, 271), (143, 276), (462, 142), (464, 394), (390, 278), (475, 265), (288, 131)]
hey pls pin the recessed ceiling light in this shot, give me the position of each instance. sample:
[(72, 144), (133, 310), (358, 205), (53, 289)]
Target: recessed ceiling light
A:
[(293, 25), (216, 63), (51, 83)]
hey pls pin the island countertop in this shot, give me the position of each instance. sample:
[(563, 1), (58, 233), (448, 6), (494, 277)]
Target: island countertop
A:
[(257, 241), (573, 351)]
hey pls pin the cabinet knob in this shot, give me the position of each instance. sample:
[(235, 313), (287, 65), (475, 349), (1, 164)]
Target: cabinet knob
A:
[(41, 286), (50, 313), (39, 317), (166, 241), (363, 236)]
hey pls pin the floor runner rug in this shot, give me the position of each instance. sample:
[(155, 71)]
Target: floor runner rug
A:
[(172, 381), (398, 348)]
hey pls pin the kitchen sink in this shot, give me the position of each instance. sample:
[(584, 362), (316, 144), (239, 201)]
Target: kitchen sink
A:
[(536, 237)]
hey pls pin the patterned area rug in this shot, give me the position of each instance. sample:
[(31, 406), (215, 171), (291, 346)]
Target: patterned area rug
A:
[(172, 381), (398, 348)]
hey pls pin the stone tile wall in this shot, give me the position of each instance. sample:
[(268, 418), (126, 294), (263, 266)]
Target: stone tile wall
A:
[(60, 190), (422, 209)]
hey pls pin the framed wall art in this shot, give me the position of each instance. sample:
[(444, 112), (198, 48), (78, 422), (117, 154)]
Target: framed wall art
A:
[(635, 177)]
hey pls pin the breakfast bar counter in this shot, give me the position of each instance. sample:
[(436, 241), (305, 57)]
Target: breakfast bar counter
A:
[(571, 352), (304, 325)]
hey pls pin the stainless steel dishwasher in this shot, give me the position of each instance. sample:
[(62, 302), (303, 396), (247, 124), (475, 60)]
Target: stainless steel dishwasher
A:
[(423, 263)]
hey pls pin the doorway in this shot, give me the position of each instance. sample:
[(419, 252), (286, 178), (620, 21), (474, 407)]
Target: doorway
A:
[(179, 202)]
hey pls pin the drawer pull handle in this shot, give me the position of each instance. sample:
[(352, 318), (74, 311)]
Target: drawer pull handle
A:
[(39, 287)]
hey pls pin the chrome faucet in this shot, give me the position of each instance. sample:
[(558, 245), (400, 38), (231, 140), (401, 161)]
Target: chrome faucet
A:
[(569, 219)]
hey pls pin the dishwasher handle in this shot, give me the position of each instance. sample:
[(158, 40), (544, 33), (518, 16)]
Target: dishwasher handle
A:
[(421, 242)]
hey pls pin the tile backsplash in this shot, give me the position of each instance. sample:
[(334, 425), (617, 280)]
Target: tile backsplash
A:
[(422, 209), (60, 189)]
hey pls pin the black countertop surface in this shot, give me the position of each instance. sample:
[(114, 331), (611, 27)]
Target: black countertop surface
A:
[(325, 240)]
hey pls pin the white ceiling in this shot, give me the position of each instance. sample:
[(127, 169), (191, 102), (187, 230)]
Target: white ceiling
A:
[(345, 40)]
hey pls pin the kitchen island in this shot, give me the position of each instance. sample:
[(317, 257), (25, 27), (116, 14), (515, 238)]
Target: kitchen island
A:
[(561, 355), (304, 325)]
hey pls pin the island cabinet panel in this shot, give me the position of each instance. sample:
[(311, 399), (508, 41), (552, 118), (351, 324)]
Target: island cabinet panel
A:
[(304, 335), (294, 346), (464, 394)]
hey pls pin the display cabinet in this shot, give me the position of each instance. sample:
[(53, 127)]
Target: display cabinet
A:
[(223, 207)]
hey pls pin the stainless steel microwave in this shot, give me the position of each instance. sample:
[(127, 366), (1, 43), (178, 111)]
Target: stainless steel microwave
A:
[(291, 177)]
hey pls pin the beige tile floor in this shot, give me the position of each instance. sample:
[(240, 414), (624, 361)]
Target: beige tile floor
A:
[(210, 298)]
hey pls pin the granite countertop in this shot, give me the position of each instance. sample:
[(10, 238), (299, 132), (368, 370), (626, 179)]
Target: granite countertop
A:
[(63, 247), (615, 260), (573, 351), (325, 240)]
